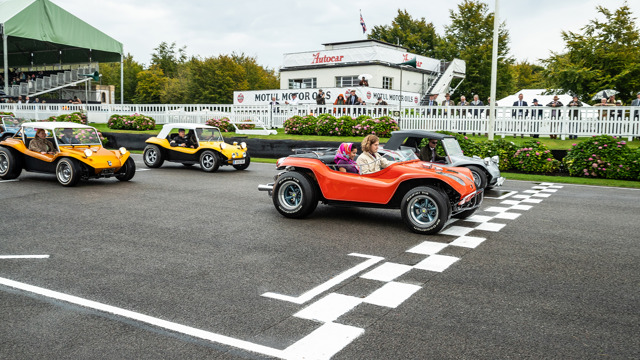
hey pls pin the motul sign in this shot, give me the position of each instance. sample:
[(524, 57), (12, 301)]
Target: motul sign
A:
[(317, 59)]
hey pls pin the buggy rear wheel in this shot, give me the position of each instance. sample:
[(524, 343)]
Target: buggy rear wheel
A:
[(294, 196)]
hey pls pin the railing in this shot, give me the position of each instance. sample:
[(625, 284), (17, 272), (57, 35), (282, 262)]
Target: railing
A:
[(620, 121)]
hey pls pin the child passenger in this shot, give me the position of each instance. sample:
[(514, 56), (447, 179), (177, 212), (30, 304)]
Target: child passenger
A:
[(345, 158)]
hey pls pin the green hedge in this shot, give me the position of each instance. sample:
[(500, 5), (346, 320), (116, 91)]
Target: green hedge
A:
[(134, 122), (329, 125)]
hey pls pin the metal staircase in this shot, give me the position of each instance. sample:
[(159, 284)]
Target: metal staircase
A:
[(442, 83)]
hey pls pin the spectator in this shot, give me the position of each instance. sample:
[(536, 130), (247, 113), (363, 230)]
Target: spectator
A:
[(353, 99), (68, 138), (382, 102), (294, 100), (612, 100), (603, 113), (463, 113), (574, 116), (636, 102), (320, 99), (363, 82), (536, 115), (556, 103)]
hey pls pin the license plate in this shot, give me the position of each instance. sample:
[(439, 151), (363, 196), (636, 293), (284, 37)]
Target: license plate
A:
[(238, 162)]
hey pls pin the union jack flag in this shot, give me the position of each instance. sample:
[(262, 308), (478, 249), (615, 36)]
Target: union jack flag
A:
[(364, 27)]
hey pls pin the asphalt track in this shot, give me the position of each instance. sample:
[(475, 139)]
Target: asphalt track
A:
[(178, 263)]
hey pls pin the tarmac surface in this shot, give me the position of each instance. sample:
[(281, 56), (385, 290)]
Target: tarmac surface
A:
[(179, 263)]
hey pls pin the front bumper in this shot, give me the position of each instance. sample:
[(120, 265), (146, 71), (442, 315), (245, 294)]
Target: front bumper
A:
[(469, 202), (499, 181)]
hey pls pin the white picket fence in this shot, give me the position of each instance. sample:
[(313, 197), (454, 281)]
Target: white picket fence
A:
[(620, 121)]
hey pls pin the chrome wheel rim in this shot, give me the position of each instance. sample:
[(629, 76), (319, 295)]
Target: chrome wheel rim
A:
[(423, 210), (476, 179), (208, 161), (290, 195), (4, 163), (151, 156), (64, 172)]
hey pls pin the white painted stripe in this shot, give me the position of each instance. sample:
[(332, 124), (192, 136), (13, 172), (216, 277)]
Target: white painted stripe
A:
[(387, 272), (550, 190), (437, 263), (508, 215), (510, 202), (490, 227), (12, 180), (521, 196), (323, 342), (532, 201), (531, 191), (541, 195), (428, 247), (478, 218), (172, 326), (503, 196), (24, 256), (391, 294), (521, 207), (467, 241), (329, 308), (556, 186), (546, 184), (457, 231), (329, 284), (538, 187), (142, 169), (450, 221), (497, 209)]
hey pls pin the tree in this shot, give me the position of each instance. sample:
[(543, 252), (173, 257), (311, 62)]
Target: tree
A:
[(416, 35), (470, 38), (528, 76), (150, 85), (258, 78), (168, 58), (111, 76), (606, 55), (215, 79)]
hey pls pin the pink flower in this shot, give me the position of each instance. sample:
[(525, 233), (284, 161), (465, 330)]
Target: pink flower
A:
[(537, 142), (549, 159), (619, 146), (574, 144), (600, 147), (595, 143), (594, 165), (620, 165), (590, 159), (527, 154), (537, 153), (605, 145), (466, 138)]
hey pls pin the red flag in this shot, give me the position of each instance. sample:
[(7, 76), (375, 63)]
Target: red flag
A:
[(364, 27)]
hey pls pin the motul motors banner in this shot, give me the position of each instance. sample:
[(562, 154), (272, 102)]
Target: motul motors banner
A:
[(360, 54), (308, 96)]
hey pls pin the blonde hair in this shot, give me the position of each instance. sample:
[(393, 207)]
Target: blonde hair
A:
[(368, 141), (39, 130)]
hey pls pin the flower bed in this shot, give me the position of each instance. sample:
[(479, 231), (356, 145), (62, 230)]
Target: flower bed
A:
[(76, 117), (134, 122), (223, 124), (604, 156), (329, 125)]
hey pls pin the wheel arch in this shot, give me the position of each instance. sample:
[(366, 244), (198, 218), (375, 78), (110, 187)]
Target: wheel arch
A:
[(409, 184)]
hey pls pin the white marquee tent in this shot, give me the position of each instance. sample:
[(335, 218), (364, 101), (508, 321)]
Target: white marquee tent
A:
[(530, 94)]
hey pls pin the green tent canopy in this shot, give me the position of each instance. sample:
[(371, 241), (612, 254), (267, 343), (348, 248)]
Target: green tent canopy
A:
[(52, 35)]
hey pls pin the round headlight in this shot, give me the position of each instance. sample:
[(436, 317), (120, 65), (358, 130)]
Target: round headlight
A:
[(123, 150), (88, 152), (495, 159), (223, 145), (486, 160), (243, 145)]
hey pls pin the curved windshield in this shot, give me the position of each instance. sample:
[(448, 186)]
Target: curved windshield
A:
[(11, 123), (207, 134), (398, 155), (77, 136)]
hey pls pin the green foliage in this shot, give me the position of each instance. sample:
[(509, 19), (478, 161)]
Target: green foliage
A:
[(135, 122), (6, 113), (535, 158), (416, 35), (168, 58), (470, 38), (150, 85), (76, 117), (328, 125), (223, 124), (111, 76), (606, 55), (603, 156), (527, 76), (299, 125)]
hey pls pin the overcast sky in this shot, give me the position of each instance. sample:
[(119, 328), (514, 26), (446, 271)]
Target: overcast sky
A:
[(267, 30)]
